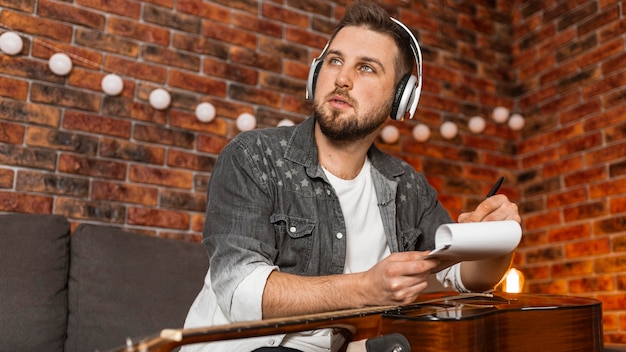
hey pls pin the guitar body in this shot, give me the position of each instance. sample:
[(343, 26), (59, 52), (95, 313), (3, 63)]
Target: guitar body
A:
[(518, 323), (435, 322)]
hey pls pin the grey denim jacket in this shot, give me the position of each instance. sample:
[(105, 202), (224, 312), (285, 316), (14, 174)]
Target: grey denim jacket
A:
[(269, 203)]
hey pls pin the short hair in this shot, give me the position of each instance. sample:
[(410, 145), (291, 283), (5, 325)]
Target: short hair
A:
[(374, 17)]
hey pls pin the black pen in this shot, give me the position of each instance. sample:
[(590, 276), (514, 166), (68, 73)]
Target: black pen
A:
[(496, 187)]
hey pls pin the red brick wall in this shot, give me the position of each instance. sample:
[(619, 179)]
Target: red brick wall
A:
[(66, 148), (569, 61)]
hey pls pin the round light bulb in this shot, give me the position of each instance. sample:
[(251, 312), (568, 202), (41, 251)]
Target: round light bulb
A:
[(476, 124), (421, 132), (448, 130), (516, 122), (205, 112), (11, 43), (160, 99), (285, 122), (112, 84), (390, 134), (246, 122), (60, 64), (500, 114)]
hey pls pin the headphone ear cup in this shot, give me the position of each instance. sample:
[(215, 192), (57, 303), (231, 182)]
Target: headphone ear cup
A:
[(405, 90), (312, 79)]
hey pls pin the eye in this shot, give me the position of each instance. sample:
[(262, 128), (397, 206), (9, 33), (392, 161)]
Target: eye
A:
[(367, 68), (334, 61)]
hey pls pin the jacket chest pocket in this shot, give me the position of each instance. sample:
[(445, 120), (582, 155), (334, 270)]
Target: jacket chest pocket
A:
[(294, 241)]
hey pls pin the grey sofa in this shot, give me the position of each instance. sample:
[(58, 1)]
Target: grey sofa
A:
[(92, 289)]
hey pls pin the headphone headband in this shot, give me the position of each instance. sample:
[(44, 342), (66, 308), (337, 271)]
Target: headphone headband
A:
[(408, 89)]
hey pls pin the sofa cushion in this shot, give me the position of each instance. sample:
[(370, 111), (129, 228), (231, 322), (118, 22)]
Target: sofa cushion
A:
[(127, 285), (34, 257)]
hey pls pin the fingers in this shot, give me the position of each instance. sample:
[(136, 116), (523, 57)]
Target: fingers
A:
[(495, 208)]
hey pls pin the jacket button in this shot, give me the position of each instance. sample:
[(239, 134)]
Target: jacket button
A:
[(339, 235)]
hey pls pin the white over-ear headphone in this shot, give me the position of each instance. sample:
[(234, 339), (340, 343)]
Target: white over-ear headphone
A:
[(407, 91)]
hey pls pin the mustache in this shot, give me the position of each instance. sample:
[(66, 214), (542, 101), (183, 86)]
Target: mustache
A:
[(343, 93)]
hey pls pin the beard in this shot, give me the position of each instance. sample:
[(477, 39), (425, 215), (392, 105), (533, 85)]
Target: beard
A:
[(346, 127)]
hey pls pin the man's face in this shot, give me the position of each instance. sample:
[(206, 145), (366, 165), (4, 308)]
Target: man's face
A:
[(355, 86)]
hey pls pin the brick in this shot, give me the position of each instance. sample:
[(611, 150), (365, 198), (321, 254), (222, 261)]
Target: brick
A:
[(124, 150), (281, 84), (230, 35), (569, 196), (83, 209), (124, 192), (250, 6), (569, 232), (204, 10), (572, 269), (27, 68), (163, 135), (81, 165), (135, 69), (554, 287), (20, 156), (195, 83), (254, 95), (595, 247), (574, 17), (591, 284), (22, 5), (163, 177), (604, 84), (619, 243), (282, 14), (197, 223), (617, 169), (258, 25), (30, 113), (254, 59), (170, 58), (231, 72), (143, 32), (285, 51), (39, 182), (607, 188), (532, 222), (13, 88), (585, 176), (60, 140), (188, 121), (204, 46), (25, 203), (176, 20), (107, 42), (614, 224), (612, 301), (128, 108), (70, 14), (70, 98), (36, 26), (79, 121), (183, 200), (126, 8), (158, 218), (585, 211), (11, 133), (211, 144), (594, 23), (6, 178), (312, 6), (185, 160)]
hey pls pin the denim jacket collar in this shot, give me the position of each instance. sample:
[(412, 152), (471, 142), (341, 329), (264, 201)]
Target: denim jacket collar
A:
[(302, 149)]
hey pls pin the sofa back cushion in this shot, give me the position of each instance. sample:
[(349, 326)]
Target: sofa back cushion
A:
[(34, 257), (127, 285)]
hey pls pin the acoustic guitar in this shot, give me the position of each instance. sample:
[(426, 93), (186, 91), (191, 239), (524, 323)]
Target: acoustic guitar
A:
[(435, 322)]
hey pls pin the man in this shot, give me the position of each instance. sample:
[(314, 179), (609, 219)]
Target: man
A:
[(314, 218)]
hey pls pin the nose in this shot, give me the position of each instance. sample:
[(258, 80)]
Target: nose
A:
[(343, 78)]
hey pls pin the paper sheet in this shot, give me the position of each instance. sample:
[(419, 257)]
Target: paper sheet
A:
[(476, 240)]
